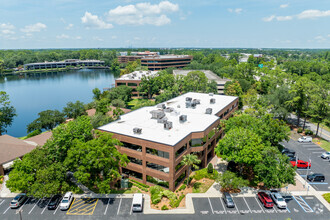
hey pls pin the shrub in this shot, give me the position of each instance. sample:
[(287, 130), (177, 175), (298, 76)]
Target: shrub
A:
[(190, 178), (300, 130), (309, 132), (326, 196), (183, 187), (141, 184), (164, 207), (34, 133), (178, 201), (210, 168), (156, 194), (141, 187), (171, 196), (1, 179), (197, 185), (203, 173), (229, 180)]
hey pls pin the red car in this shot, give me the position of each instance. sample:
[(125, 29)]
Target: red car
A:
[(301, 164), (265, 199)]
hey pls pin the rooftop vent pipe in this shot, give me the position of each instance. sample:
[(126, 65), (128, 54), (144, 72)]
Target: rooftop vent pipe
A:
[(212, 101), (208, 111), (137, 130), (183, 118)]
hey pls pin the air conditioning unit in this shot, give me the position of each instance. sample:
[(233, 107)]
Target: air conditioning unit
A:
[(169, 109), (157, 114), (161, 105), (212, 101), (211, 94), (168, 125), (193, 105), (137, 130), (162, 120), (188, 99), (208, 111), (183, 118)]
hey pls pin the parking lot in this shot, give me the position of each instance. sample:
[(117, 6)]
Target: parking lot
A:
[(252, 208), (306, 151), (89, 208)]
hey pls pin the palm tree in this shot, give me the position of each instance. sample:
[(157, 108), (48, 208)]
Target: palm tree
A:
[(190, 160)]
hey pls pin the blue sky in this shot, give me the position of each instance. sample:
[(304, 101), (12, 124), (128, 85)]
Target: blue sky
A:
[(28, 24)]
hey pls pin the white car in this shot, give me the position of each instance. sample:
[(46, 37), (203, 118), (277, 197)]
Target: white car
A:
[(305, 139), (326, 155), (66, 201), (278, 200)]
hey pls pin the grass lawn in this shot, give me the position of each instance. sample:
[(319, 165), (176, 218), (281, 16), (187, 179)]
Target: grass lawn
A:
[(326, 196), (322, 143)]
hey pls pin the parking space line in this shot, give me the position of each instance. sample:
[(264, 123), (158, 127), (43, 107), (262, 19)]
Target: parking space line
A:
[(2, 202), (34, 206), (130, 213), (299, 204), (314, 183), (247, 205), (46, 205), (23, 204), (274, 207), (119, 206), (236, 206), (105, 212), (259, 205), (210, 205), (223, 205), (307, 204), (56, 210), (6, 210)]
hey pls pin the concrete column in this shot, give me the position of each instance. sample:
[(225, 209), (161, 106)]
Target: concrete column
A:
[(144, 164), (2, 171)]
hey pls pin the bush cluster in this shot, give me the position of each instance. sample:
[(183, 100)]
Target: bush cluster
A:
[(300, 130), (157, 194), (308, 132), (203, 173), (183, 187), (210, 168), (164, 207)]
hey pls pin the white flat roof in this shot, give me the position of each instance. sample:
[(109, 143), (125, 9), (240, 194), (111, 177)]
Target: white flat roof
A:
[(137, 75), (197, 120), (169, 56)]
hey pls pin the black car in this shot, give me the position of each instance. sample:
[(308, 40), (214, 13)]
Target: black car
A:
[(288, 152), (54, 201), (293, 159), (228, 200), (316, 177)]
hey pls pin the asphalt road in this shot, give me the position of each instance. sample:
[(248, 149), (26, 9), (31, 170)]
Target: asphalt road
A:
[(306, 151), (304, 207)]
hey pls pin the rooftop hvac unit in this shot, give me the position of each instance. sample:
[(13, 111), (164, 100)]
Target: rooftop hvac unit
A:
[(211, 94), (212, 101), (196, 101), (169, 109), (161, 105), (188, 99), (168, 125), (183, 118), (162, 120), (208, 111), (157, 114), (137, 130), (193, 105), (188, 104)]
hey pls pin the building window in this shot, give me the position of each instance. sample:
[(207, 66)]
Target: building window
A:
[(132, 173), (181, 150), (158, 153), (180, 178), (134, 160), (158, 167), (131, 84), (157, 181), (121, 84), (132, 146)]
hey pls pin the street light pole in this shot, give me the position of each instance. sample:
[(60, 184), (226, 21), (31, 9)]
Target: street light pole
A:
[(20, 213)]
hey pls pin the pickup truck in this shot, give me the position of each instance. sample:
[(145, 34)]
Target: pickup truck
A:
[(301, 164)]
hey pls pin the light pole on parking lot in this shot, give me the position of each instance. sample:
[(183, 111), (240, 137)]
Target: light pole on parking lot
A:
[(20, 213)]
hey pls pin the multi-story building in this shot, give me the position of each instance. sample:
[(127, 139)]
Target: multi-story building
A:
[(133, 80), (62, 64), (165, 61), (124, 58), (156, 138)]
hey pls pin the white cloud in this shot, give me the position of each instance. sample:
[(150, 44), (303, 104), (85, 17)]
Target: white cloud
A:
[(62, 36), (328, 35), (34, 28), (114, 37), (236, 10), (97, 39), (319, 38), (283, 18), (93, 21), (284, 6), (77, 38), (7, 29), (69, 26), (143, 13), (268, 19), (313, 14)]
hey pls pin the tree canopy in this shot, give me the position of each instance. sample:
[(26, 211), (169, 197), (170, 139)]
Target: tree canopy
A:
[(7, 112)]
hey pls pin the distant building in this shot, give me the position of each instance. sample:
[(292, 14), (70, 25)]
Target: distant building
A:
[(155, 138), (257, 55), (165, 61), (210, 75), (133, 80), (63, 64), (124, 58)]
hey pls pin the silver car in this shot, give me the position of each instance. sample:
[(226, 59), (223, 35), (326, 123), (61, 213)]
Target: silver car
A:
[(278, 200), (228, 200), (326, 155), (18, 201)]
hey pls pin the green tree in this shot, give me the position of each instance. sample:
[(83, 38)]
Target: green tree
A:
[(278, 100), (102, 106), (7, 112), (100, 119), (121, 92), (118, 103), (149, 86), (74, 110), (47, 120), (190, 160), (195, 81), (97, 94), (2, 64), (230, 181)]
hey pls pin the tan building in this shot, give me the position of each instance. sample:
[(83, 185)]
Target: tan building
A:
[(133, 80), (165, 61), (156, 138)]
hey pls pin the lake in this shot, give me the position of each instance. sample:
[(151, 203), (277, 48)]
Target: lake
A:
[(33, 94)]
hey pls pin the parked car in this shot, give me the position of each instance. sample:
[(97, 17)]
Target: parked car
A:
[(316, 177), (326, 155), (288, 152), (19, 200), (228, 200), (137, 204), (305, 139), (265, 199), (293, 159), (301, 164), (66, 201), (54, 201), (278, 200)]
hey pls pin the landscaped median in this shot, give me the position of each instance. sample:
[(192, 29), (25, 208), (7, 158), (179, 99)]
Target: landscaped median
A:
[(326, 196)]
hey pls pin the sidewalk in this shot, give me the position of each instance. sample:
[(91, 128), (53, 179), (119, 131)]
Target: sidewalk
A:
[(4, 191)]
